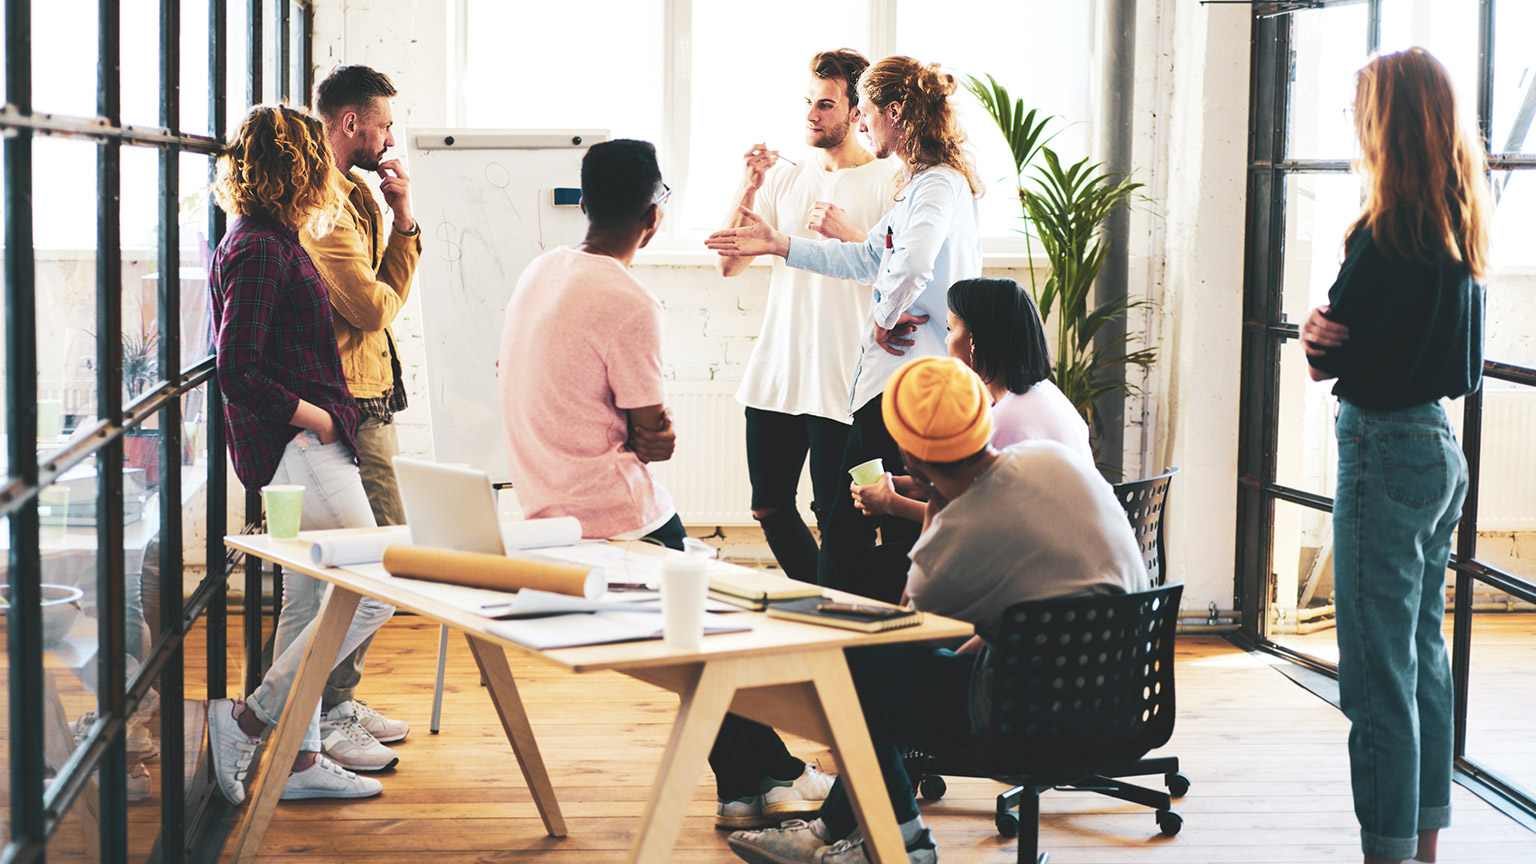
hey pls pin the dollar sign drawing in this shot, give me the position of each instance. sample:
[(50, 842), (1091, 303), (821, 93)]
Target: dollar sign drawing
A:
[(452, 251)]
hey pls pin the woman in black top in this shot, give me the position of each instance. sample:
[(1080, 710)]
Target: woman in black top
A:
[(1403, 329)]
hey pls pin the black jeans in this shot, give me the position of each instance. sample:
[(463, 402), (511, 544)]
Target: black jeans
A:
[(848, 537), (912, 696), (777, 446), (745, 752)]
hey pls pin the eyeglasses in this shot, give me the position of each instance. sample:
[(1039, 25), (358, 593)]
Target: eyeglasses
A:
[(663, 195)]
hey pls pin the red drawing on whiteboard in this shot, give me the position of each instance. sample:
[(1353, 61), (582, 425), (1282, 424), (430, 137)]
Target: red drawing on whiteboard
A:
[(540, 211), (497, 175)]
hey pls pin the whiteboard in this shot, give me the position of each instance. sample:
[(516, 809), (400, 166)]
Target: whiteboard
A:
[(484, 200)]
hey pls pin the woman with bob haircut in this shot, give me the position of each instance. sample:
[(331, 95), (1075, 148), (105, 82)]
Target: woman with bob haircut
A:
[(995, 328), (1403, 329), (290, 417)]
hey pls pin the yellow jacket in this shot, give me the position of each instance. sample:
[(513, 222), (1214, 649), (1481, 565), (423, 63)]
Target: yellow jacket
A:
[(368, 280)]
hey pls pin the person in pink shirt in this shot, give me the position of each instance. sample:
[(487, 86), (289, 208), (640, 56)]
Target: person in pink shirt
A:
[(995, 328), (583, 406)]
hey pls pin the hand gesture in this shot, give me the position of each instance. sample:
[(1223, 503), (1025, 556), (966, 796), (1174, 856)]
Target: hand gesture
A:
[(830, 220), (1318, 334), (396, 186), (653, 445), (897, 339), (755, 164), (754, 237), (874, 499)]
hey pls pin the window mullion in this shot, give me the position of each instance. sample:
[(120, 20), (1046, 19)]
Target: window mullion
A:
[(676, 106), (882, 28)]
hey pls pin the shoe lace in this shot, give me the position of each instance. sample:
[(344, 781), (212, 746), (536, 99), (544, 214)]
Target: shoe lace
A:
[(352, 728), (364, 713)]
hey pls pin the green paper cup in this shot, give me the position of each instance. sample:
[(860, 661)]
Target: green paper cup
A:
[(867, 474), (284, 504)]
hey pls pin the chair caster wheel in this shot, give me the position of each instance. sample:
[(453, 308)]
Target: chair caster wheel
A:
[(1178, 784), (1169, 822), (1008, 825), (932, 787)]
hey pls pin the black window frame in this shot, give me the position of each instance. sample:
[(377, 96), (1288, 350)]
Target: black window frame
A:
[(189, 817), (1264, 333)]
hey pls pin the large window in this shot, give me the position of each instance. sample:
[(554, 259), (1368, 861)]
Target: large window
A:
[(1302, 199), (114, 506), (706, 80)]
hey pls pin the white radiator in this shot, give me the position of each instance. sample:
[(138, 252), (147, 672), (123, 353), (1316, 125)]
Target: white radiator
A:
[(1506, 499), (707, 475)]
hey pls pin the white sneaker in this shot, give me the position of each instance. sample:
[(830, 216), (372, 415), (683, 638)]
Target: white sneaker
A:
[(794, 842), (348, 744), (920, 849), (383, 729), (140, 742), (800, 796), (738, 813), (230, 749), (326, 779), (139, 783)]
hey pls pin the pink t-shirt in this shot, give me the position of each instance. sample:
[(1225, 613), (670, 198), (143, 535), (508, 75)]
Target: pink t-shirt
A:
[(1042, 414), (581, 343)]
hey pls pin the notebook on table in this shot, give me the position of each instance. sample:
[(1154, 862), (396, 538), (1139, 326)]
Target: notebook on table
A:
[(754, 589), (808, 610)]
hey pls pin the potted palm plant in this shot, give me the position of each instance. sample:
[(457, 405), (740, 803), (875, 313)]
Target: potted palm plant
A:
[(1064, 208), (141, 367)]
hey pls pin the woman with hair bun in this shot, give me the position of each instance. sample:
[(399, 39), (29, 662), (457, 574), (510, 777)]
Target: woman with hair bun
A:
[(1403, 329), (928, 241), (290, 417)]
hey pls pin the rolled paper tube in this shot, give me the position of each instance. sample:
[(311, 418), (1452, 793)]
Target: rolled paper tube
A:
[(496, 572)]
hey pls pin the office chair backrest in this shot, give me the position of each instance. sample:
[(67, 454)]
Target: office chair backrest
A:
[(1145, 501), (1085, 680)]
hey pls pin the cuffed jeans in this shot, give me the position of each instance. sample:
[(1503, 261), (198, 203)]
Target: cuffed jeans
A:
[(376, 449), (333, 498), (1402, 479)]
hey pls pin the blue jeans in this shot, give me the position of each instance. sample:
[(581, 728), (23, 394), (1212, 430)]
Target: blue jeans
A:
[(333, 498), (1402, 479)]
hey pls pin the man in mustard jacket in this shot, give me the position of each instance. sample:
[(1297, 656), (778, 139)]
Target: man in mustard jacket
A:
[(368, 268)]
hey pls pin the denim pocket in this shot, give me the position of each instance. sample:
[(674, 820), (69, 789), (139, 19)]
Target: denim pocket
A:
[(1413, 467)]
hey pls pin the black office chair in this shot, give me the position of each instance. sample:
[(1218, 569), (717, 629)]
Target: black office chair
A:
[(1144, 502), (1082, 686)]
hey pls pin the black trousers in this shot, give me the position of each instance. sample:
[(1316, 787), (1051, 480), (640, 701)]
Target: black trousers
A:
[(777, 447), (745, 751), (848, 537)]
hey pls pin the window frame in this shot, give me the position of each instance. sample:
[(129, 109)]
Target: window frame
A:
[(185, 814), (1265, 331)]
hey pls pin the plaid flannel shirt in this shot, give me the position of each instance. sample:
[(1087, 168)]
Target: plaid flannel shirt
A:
[(275, 345)]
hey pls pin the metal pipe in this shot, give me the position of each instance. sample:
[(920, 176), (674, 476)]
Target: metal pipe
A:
[(1116, 124)]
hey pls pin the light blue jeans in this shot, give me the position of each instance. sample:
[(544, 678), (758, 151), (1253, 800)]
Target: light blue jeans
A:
[(333, 498), (1402, 479)]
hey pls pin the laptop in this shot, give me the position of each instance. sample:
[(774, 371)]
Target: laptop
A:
[(449, 506)]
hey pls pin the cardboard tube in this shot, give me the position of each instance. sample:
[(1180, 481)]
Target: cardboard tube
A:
[(496, 572)]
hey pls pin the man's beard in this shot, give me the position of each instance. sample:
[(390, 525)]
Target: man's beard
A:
[(829, 138), (369, 161)]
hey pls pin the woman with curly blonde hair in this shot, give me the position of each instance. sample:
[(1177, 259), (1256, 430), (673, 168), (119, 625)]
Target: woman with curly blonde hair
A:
[(1402, 330), (289, 415), (928, 241)]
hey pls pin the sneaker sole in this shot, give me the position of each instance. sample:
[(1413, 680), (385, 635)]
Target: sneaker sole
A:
[(393, 739), (363, 769), (785, 809), (756, 855), (738, 823), (307, 794)]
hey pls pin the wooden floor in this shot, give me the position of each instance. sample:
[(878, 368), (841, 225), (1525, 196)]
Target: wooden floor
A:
[(1267, 759)]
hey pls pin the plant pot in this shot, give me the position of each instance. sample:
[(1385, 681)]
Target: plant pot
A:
[(143, 451)]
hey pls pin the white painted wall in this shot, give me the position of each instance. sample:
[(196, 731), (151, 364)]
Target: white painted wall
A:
[(1191, 124)]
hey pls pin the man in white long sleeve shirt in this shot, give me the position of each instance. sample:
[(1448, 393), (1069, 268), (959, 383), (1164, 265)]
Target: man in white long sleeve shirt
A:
[(911, 256)]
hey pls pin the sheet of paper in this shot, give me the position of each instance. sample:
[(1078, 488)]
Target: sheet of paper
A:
[(600, 628)]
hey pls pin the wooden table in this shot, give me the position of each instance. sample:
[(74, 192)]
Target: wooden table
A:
[(791, 676)]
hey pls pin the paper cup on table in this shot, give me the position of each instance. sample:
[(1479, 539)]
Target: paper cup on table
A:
[(684, 585), (284, 504), (868, 473)]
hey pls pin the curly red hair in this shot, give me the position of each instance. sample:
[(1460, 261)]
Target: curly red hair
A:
[(278, 165), (931, 133)]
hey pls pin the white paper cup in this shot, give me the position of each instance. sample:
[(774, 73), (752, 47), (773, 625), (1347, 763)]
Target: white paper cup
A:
[(684, 585), (284, 504), (867, 473)]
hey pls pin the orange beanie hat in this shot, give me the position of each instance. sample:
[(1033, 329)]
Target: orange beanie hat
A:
[(937, 409)]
